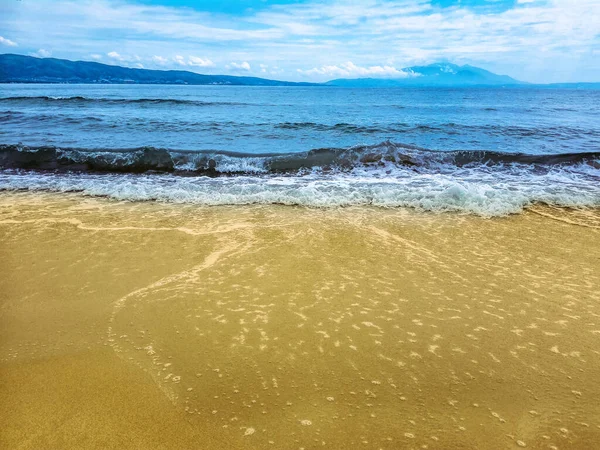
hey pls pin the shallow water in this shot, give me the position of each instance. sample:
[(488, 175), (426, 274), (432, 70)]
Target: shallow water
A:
[(271, 326)]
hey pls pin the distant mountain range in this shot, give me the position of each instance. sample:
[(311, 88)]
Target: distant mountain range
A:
[(28, 69), (439, 74)]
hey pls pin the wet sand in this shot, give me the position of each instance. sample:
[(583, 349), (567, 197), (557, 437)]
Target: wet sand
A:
[(145, 325)]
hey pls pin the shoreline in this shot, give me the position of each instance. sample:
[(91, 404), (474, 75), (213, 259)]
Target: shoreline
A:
[(145, 324)]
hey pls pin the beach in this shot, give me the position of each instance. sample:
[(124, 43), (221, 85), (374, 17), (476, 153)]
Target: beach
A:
[(157, 325)]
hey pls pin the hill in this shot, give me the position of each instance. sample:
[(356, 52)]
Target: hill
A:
[(27, 69)]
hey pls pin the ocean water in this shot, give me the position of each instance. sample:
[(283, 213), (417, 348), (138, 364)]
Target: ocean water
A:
[(483, 151)]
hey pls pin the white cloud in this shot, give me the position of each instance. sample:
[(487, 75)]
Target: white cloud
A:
[(240, 66), (200, 62), (349, 69), (160, 60), (96, 56), (42, 53), (180, 60), (7, 42), (163, 61), (115, 55)]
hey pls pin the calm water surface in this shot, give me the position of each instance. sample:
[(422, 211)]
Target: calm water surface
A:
[(294, 119)]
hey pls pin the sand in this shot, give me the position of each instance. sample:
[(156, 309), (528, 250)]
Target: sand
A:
[(145, 325)]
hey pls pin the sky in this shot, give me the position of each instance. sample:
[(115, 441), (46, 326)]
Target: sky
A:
[(539, 41)]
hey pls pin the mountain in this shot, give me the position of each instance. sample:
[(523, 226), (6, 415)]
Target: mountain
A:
[(27, 69), (439, 74)]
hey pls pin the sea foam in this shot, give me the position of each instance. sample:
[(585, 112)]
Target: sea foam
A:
[(475, 189)]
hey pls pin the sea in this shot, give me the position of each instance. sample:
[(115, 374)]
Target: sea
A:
[(483, 151)]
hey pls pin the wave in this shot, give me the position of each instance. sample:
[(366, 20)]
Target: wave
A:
[(562, 133), (449, 128), (485, 183), (386, 154), (23, 118), (476, 190), (112, 101)]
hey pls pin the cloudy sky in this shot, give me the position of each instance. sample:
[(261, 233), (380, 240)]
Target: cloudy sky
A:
[(533, 40)]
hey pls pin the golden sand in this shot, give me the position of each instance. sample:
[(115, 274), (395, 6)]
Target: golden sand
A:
[(146, 325)]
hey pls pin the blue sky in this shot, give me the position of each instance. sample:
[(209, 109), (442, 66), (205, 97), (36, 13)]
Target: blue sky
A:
[(533, 40), (233, 7)]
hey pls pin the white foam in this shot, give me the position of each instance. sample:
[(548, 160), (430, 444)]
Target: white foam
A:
[(481, 190)]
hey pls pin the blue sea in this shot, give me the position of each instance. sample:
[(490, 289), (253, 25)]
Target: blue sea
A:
[(483, 151)]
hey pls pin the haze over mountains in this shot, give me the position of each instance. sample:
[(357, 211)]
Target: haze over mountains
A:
[(438, 74), (27, 69)]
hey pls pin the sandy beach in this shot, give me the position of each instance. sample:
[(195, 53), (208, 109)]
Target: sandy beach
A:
[(148, 325)]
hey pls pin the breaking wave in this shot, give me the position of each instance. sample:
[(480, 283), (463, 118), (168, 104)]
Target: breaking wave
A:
[(384, 155), (389, 174)]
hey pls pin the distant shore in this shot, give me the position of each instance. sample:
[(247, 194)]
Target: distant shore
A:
[(593, 86), (28, 69)]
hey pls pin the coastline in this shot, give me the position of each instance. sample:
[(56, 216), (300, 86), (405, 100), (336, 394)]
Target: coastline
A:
[(267, 326)]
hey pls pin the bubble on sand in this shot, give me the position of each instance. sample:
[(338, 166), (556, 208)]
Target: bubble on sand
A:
[(521, 444), (330, 399), (305, 422), (497, 416), (249, 431), (433, 349)]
